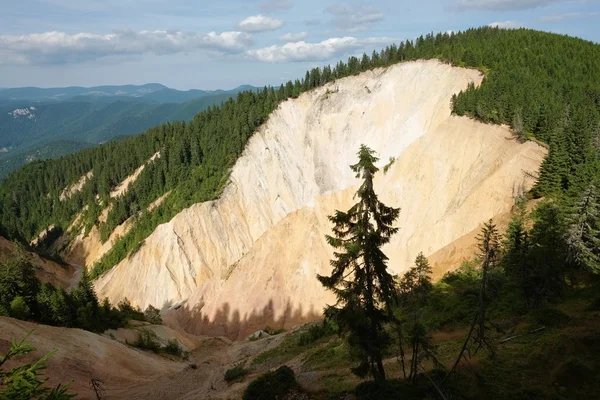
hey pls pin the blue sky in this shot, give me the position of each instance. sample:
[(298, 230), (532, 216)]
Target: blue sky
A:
[(222, 44)]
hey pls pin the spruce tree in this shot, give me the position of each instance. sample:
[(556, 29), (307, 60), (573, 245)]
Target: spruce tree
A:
[(415, 287), (516, 257), (583, 232), (360, 280), (27, 381)]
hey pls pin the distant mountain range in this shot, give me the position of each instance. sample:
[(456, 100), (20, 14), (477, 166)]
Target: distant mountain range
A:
[(150, 92), (37, 123)]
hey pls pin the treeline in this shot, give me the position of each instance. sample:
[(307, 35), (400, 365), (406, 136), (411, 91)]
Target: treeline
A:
[(542, 84), (23, 296)]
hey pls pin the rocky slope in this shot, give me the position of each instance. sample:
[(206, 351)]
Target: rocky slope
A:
[(250, 258), (46, 270)]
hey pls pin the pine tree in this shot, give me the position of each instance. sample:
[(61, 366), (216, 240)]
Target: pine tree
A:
[(583, 232), (360, 280), (516, 258), (415, 287), (26, 381)]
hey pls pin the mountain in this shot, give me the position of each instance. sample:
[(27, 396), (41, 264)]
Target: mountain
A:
[(487, 141), (31, 130), (151, 93)]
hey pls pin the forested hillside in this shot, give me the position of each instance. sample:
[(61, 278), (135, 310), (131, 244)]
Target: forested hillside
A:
[(35, 131), (544, 85)]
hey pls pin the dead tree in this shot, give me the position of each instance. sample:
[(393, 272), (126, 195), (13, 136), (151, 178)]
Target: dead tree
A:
[(489, 248)]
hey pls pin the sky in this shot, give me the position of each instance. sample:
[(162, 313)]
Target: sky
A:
[(222, 44)]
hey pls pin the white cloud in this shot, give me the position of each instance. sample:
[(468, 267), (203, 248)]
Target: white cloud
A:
[(352, 18), (573, 15), (293, 37), (275, 5), (501, 5), (323, 51), (506, 25), (63, 48), (259, 23)]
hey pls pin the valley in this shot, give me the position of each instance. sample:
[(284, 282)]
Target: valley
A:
[(419, 223)]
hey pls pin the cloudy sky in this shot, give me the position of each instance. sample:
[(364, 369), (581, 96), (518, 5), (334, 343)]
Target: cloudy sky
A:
[(224, 43)]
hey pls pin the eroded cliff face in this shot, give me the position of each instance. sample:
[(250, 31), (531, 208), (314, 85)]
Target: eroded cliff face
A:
[(249, 259)]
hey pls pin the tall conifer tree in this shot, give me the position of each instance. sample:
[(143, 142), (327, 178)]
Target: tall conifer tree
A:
[(360, 280)]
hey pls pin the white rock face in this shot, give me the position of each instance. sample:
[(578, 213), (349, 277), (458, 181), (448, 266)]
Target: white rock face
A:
[(250, 258)]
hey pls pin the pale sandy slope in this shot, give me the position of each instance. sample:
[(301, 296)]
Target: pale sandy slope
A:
[(250, 258), (83, 356)]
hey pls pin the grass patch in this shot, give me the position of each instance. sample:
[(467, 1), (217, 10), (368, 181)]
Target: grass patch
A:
[(287, 350), (335, 354), (235, 373), (316, 332)]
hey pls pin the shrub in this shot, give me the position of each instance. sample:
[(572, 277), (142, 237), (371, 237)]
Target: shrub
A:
[(147, 340), (128, 311), (152, 315), (316, 332), (271, 385), (234, 373), (389, 164), (18, 308), (272, 331), (174, 348)]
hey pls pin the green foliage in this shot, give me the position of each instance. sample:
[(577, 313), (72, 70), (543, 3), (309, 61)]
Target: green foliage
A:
[(18, 308), (235, 373), (61, 128), (582, 236), (152, 315), (273, 331), (147, 340), (25, 382), (23, 296), (453, 298), (389, 164), (129, 311), (317, 331), (271, 385), (363, 287), (542, 81), (173, 348), (414, 291)]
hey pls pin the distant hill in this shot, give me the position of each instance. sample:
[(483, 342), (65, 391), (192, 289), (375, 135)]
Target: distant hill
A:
[(32, 129), (151, 92)]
